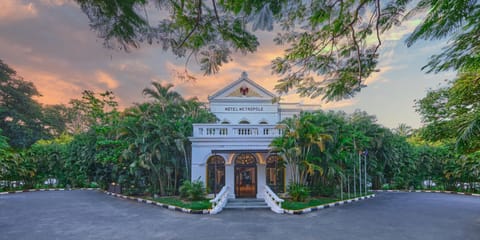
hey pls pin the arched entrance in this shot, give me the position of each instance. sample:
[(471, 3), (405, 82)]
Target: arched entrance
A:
[(215, 174), (245, 176)]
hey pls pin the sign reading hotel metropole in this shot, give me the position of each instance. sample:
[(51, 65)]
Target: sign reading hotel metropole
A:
[(244, 109)]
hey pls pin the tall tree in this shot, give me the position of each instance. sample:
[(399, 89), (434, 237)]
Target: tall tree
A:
[(332, 46), (20, 114), (296, 147), (453, 112)]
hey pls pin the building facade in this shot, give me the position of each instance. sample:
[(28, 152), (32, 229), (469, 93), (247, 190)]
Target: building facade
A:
[(235, 151)]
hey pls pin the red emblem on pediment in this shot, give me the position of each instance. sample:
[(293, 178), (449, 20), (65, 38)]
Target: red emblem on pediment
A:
[(244, 90)]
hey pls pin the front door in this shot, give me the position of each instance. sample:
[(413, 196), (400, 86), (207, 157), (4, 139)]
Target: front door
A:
[(245, 176)]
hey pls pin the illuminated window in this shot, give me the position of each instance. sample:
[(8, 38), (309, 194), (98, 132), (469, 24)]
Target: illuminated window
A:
[(245, 159)]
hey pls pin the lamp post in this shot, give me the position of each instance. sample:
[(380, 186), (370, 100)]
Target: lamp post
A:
[(354, 177), (360, 171), (365, 154)]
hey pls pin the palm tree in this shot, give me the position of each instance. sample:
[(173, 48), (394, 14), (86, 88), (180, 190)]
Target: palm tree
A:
[(403, 130), (163, 94), (295, 147), (469, 133)]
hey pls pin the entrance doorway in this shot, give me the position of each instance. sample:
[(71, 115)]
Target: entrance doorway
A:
[(245, 176)]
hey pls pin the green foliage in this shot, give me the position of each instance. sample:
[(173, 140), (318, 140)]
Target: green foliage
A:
[(301, 138), (293, 205), (456, 20), (322, 190), (184, 28), (20, 115), (193, 191), (453, 112), (298, 192), (333, 46)]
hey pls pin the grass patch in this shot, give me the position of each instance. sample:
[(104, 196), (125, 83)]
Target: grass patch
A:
[(315, 201), (312, 202), (175, 201)]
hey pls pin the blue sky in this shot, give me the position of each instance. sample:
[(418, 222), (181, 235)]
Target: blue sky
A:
[(50, 43)]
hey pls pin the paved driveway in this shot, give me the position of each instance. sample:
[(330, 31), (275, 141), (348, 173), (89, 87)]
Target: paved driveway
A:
[(94, 215)]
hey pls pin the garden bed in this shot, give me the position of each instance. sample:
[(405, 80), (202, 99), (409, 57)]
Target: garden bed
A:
[(176, 201), (317, 201), (313, 202)]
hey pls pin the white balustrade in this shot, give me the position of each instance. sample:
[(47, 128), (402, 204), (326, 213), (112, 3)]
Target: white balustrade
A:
[(238, 130), (219, 202), (272, 200)]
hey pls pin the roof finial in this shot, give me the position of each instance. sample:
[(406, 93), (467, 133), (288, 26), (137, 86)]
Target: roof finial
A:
[(244, 74)]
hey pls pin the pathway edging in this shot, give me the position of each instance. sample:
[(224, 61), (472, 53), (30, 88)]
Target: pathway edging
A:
[(163, 205), (47, 189), (431, 191), (327, 205)]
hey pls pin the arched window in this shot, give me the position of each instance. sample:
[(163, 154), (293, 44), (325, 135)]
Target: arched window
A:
[(244, 122), (275, 174), (263, 122), (245, 159), (215, 174), (225, 122)]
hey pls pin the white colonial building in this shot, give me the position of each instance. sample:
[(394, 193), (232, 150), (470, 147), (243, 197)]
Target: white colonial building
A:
[(235, 151)]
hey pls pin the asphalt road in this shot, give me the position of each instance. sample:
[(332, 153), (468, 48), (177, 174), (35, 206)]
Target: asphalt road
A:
[(94, 215)]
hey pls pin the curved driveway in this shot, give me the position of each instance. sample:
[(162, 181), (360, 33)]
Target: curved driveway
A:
[(94, 215)]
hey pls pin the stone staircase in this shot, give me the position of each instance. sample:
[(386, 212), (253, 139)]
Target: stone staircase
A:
[(246, 203)]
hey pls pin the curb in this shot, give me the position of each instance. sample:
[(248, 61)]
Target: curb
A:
[(328, 205), (432, 191), (162, 205), (46, 190)]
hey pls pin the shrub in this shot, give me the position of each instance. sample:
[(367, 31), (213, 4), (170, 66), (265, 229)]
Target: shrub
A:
[(192, 191), (323, 190), (198, 191), (185, 189), (298, 192)]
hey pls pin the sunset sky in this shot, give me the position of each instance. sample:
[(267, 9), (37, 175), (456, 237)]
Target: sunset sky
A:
[(49, 42)]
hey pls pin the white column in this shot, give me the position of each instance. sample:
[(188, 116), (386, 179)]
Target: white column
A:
[(230, 179), (261, 180)]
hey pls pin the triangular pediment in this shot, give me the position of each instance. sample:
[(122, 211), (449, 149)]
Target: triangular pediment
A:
[(243, 88)]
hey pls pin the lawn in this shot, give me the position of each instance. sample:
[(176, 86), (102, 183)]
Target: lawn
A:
[(291, 205), (315, 201), (194, 205)]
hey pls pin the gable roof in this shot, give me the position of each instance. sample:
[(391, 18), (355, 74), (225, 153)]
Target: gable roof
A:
[(243, 80)]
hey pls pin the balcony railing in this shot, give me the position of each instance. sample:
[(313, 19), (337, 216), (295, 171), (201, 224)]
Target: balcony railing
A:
[(236, 130)]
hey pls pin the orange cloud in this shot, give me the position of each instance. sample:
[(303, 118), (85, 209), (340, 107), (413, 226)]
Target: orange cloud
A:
[(14, 10), (106, 79), (54, 89)]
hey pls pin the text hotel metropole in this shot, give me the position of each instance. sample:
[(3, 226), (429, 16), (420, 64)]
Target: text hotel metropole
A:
[(244, 109)]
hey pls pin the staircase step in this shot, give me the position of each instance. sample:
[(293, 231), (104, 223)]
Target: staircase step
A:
[(246, 207), (246, 203)]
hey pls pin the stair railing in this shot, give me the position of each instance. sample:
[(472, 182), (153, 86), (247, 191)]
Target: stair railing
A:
[(219, 202), (272, 200)]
